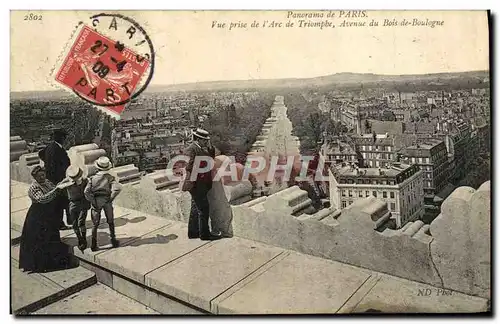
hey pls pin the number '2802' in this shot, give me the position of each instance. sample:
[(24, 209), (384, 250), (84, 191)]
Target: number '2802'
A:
[(32, 16)]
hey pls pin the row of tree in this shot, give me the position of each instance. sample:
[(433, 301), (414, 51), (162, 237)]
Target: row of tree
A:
[(310, 123), (235, 128)]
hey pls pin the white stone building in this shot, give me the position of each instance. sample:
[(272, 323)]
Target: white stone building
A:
[(400, 186)]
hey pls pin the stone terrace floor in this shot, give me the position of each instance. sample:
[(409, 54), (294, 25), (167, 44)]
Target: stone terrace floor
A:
[(239, 276)]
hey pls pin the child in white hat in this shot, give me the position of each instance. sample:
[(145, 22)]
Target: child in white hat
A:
[(101, 190)]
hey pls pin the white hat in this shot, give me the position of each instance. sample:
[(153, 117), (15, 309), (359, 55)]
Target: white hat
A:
[(74, 172), (201, 133), (103, 164)]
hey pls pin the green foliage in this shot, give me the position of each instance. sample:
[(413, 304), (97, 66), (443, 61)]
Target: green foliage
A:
[(235, 128)]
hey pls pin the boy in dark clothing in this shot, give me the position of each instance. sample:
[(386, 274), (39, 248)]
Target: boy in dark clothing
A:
[(78, 205)]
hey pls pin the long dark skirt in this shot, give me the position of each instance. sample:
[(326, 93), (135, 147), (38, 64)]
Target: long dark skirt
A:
[(41, 248)]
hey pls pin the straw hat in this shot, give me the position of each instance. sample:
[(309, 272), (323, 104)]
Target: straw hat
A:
[(74, 172), (201, 133), (103, 164)]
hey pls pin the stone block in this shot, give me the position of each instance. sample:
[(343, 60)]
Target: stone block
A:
[(28, 290), (229, 261), (21, 203), (18, 145), (15, 237), (128, 228), (84, 156), (151, 251), (221, 214), (238, 192), (396, 295), (164, 203), (35, 290), (102, 275), (297, 285), (398, 255), (159, 180), (288, 201), (130, 197), (14, 252), (96, 300), (76, 278), (126, 174), (153, 299), (29, 159), (17, 148), (461, 248), (17, 190), (14, 171), (26, 163), (413, 228)]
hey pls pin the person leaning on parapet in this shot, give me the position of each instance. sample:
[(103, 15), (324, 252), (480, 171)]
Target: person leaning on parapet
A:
[(198, 226), (101, 190), (78, 204), (56, 161)]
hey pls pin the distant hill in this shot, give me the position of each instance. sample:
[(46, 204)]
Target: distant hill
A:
[(339, 80)]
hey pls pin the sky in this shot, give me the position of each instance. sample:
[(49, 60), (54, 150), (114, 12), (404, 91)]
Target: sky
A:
[(188, 49)]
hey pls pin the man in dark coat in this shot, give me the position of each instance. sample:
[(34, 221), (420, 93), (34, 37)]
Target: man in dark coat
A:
[(198, 226), (56, 162)]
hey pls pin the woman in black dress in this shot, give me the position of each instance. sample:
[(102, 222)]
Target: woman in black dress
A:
[(41, 248)]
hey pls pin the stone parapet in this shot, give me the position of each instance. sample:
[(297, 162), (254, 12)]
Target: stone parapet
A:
[(461, 246), (21, 170), (126, 174), (160, 180), (18, 147), (452, 252), (84, 157), (161, 268)]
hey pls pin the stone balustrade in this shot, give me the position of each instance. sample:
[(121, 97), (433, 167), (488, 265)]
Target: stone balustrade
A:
[(452, 252), (21, 170), (18, 147), (126, 174), (461, 247), (84, 156)]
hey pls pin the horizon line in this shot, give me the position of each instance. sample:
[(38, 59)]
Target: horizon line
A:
[(284, 78)]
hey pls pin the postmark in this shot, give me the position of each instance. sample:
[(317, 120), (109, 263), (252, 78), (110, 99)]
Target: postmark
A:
[(109, 63)]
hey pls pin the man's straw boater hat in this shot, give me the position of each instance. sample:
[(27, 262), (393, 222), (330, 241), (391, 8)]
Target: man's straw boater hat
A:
[(74, 172), (201, 133), (103, 164)]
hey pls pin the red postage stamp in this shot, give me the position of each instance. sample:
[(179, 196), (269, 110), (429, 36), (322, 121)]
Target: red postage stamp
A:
[(101, 71)]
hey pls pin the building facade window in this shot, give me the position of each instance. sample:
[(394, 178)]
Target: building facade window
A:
[(344, 204), (374, 194), (384, 194), (393, 206), (391, 194)]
